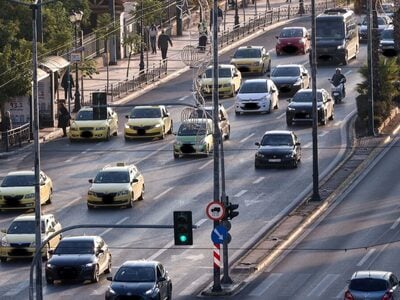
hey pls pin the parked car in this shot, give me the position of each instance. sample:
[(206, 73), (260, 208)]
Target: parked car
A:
[(387, 8), (278, 148), (19, 239), (293, 40), (194, 137), (229, 80), (79, 258), (383, 22), (17, 190), (140, 279), (85, 126), (223, 120), (148, 121), (117, 185), (300, 107), (373, 285), (290, 78), (257, 95), (386, 43), (252, 59)]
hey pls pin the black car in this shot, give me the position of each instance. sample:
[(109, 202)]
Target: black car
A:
[(79, 258), (140, 279), (290, 78), (300, 107), (386, 43), (278, 148)]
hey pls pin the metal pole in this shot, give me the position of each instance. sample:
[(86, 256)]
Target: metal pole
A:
[(82, 59), (371, 125), (141, 62), (77, 105), (113, 39), (236, 14), (315, 196), (179, 25), (216, 134), (38, 237), (69, 87)]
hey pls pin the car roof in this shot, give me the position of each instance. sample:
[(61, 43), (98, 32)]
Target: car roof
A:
[(148, 106), (250, 47), (89, 108), (30, 217), (117, 168), (199, 120), (293, 27), (310, 91), (222, 66), (371, 274), (256, 80), (24, 172), (270, 132), (289, 65), (81, 238), (140, 263)]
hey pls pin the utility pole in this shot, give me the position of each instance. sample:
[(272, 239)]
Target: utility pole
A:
[(113, 40), (179, 25), (371, 125)]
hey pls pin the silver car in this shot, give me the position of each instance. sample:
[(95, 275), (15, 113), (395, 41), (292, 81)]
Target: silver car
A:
[(373, 285)]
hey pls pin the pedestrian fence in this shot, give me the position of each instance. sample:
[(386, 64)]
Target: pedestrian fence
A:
[(15, 137)]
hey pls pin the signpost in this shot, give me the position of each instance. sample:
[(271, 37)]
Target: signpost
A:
[(219, 234), (215, 210)]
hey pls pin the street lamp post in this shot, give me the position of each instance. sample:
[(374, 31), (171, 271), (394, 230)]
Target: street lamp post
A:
[(236, 14), (141, 63), (76, 18)]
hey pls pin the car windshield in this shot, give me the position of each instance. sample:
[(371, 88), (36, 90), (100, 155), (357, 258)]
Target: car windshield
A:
[(18, 180), (247, 53), (387, 34), (381, 21), (277, 140), (200, 114), (75, 247), (85, 115), (190, 129), (368, 285), (329, 29), (291, 32), (306, 97), (24, 227), (222, 73), (145, 113), (112, 177), (135, 274), (253, 87), (286, 71)]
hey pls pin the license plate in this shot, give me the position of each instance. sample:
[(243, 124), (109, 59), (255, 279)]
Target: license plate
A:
[(274, 160), (336, 94)]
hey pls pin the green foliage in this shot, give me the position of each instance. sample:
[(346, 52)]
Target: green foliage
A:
[(133, 41), (151, 13), (88, 68), (105, 27)]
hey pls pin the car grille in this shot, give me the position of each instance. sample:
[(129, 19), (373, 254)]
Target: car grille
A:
[(133, 297), (303, 115), (68, 272), (187, 148), (13, 198), (107, 198), (86, 128), (243, 68), (141, 127), (274, 155), (19, 252), (86, 134), (19, 245), (251, 106)]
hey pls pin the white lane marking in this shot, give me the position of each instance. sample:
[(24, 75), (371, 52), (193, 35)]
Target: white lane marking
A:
[(337, 123), (323, 133), (84, 152), (240, 193), (230, 107), (70, 159), (366, 256), (19, 288), (348, 72), (194, 284), (395, 224), (259, 179), (109, 229), (201, 222), (320, 288), (308, 145), (161, 251), (183, 98), (70, 203), (206, 164), (265, 285), (163, 193), (246, 138), (281, 116)]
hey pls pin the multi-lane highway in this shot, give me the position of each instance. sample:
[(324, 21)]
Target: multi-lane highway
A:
[(183, 184)]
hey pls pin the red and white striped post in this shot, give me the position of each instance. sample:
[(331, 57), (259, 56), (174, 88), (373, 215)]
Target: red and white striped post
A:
[(217, 256)]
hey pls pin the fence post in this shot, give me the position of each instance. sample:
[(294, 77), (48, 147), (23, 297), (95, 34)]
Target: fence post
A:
[(288, 12)]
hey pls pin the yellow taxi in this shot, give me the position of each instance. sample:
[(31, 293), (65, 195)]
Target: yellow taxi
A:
[(117, 185), (18, 241), (252, 59), (148, 122), (17, 190), (229, 80), (86, 127)]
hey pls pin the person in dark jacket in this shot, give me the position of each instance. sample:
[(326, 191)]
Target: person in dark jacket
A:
[(67, 86), (163, 41), (63, 118), (5, 126), (339, 78)]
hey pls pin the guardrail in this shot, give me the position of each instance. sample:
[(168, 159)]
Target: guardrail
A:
[(15, 137)]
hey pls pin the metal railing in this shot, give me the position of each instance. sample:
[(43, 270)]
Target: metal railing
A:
[(15, 137)]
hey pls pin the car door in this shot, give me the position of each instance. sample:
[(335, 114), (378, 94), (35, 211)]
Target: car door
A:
[(161, 282), (137, 184), (306, 77), (166, 118), (100, 254), (44, 188), (297, 147), (223, 122), (237, 78)]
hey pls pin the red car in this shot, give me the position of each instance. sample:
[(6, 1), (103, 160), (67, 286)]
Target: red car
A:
[(293, 40)]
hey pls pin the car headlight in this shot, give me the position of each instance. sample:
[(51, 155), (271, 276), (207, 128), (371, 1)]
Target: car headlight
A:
[(126, 126), (31, 195), (91, 193), (100, 128), (89, 265), (157, 125), (259, 154), (298, 82), (50, 266), (150, 292), (121, 193), (289, 155), (339, 47), (73, 128), (302, 41), (257, 63), (4, 242), (290, 108)]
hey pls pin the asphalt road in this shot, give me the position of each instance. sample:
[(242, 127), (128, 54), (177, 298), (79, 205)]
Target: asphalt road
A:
[(360, 232), (183, 184)]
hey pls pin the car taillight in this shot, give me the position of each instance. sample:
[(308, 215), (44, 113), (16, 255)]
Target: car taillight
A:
[(388, 295), (348, 296)]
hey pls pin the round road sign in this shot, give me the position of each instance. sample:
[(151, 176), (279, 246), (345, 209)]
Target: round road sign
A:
[(215, 210)]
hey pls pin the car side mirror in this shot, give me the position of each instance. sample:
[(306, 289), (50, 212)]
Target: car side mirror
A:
[(90, 180), (257, 143), (297, 144), (42, 182), (304, 74), (51, 251), (289, 100), (126, 117), (273, 90), (109, 278), (134, 180), (162, 278), (52, 229), (100, 251)]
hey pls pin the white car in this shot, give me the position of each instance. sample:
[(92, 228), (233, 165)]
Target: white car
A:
[(257, 95)]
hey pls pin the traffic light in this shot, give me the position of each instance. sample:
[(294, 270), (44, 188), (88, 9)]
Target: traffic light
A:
[(99, 103), (183, 232), (230, 210)]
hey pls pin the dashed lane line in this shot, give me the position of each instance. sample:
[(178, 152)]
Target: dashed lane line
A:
[(109, 229), (242, 192), (206, 164), (258, 180), (265, 285), (366, 256), (246, 138), (395, 224), (163, 193), (281, 116)]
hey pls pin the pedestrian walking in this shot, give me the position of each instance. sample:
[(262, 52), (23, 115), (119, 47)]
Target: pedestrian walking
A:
[(163, 41), (63, 118), (67, 85), (153, 32), (220, 18), (5, 126)]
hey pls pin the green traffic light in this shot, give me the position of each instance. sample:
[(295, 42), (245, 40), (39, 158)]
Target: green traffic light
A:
[(183, 238)]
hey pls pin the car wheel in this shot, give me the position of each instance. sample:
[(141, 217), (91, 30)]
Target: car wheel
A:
[(50, 197), (256, 166), (108, 270), (96, 274), (294, 163), (49, 281), (108, 135), (332, 116), (141, 193), (228, 134), (323, 121), (162, 133), (269, 66), (129, 205), (3, 259), (170, 129)]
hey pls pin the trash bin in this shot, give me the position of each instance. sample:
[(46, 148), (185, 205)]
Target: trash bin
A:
[(202, 42)]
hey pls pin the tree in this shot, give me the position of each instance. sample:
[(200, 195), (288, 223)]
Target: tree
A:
[(152, 11), (133, 41)]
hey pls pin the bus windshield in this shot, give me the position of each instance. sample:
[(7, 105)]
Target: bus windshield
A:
[(330, 29)]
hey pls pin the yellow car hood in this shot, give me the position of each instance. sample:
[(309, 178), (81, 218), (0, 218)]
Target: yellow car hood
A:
[(20, 238), (144, 121), (89, 123), (17, 190), (209, 81), (109, 187)]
